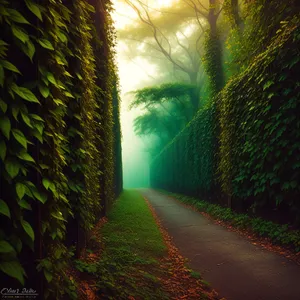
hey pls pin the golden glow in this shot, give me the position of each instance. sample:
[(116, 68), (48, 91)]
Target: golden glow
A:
[(124, 14)]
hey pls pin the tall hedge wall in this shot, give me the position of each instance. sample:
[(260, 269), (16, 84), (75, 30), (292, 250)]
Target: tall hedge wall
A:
[(58, 107), (246, 142), (260, 136), (186, 164)]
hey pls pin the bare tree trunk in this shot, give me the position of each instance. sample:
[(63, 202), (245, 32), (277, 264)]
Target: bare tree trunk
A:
[(238, 22), (214, 51)]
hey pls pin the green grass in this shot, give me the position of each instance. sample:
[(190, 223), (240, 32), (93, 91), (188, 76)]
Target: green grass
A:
[(133, 245), (278, 234), (132, 226)]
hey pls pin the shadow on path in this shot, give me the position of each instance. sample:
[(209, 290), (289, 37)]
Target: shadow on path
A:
[(235, 268)]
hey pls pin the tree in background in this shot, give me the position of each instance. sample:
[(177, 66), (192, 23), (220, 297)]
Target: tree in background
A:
[(175, 41), (167, 109), (195, 53)]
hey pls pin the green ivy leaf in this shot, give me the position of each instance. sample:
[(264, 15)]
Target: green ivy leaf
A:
[(4, 209), (19, 33), (31, 50), (39, 196), (34, 9), (15, 112), (20, 137), (44, 167), (46, 183), (79, 76), (69, 95), (68, 74), (51, 78), (3, 105), (270, 96), (28, 229), (13, 269), (48, 275), (26, 156), (16, 16), (44, 91), (1, 76), (62, 36), (282, 77), (28, 49), (16, 242), (2, 43), (24, 93), (12, 167), (2, 150), (5, 126), (24, 204), (268, 84), (294, 61), (26, 119), (20, 190), (9, 66), (6, 247), (36, 117), (38, 136), (58, 215), (52, 188), (285, 186), (39, 127), (274, 180), (90, 8), (46, 44)]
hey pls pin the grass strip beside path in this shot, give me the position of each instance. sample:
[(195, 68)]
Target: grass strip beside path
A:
[(132, 257)]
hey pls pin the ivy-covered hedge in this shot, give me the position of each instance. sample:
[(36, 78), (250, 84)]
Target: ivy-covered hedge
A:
[(260, 136), (186, 164), (250, 149), (57, 140)]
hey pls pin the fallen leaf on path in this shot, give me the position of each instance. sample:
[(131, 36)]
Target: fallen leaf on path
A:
[(180, 284)]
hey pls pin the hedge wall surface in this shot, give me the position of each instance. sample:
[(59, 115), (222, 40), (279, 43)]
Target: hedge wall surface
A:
[(260, 137), (245, 144), (58, 104), (186, 164)]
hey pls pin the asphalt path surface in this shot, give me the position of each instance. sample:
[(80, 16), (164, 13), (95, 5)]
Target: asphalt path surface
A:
[(235, 268)]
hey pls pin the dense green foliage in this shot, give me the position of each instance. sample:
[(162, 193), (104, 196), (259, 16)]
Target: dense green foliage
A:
[(167, 108), (255, 158), (168, 92), (278, 234), (253, 26), (259, 139), (57, 137), (186, 163)]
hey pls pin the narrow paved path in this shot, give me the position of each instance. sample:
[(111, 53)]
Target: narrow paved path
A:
[(236, 268)]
